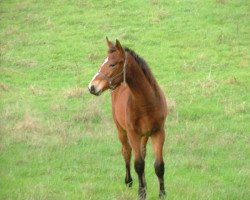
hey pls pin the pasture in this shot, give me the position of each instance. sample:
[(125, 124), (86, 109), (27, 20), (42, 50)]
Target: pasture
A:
[(59, 142)]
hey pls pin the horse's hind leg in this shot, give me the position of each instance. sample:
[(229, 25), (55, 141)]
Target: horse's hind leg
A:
[(158, 141), (126, 152)]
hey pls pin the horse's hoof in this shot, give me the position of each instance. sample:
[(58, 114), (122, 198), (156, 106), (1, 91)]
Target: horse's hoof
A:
[(162, 194), (129, 182)]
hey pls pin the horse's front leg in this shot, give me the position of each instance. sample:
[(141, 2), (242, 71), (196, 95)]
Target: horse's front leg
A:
[(139, 163), (126, 152)]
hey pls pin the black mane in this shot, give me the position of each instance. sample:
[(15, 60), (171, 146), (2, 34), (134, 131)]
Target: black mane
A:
[(143, 64)]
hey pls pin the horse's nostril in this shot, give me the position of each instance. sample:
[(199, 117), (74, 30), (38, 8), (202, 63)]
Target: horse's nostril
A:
[(92, 89)]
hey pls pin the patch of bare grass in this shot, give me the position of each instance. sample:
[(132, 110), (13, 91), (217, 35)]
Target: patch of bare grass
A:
[(188, 66), (126, 195), (234, 108), (94, 118), (84, 4), (28, 123), (91, 112), (21, 6), (4, 87), (28, 62), (75, 92), (202, 56), (208, 85), (232, 80), (9, 116), (244, 62), (171, 103), (4, 47), (11, 31), (32, 129), (60, 131), (155, 2), (49, 23), (93, 56), (226, 139), (196, 163), (159, 15), (221, 2), (56, 107), (28, 128), (172, 110), (11, 72), (35, 90), (37, 132)]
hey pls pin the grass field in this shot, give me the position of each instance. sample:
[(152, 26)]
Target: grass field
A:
[(59, 142)]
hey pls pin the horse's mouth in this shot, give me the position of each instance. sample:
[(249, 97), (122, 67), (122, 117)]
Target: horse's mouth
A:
[(96, 93)]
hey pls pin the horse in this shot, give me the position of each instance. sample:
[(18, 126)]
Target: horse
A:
[(139, 110)]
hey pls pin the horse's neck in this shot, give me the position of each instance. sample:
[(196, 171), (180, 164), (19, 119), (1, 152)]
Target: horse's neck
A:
[(138, 84)]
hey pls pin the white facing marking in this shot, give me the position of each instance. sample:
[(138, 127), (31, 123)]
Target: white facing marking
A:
[(93, 79), (105, 61)]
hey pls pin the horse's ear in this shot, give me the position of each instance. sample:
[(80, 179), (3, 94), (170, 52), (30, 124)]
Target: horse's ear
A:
[(119, 46), (110, 44)]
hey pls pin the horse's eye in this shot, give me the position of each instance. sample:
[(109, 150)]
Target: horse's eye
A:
[(112, 65)]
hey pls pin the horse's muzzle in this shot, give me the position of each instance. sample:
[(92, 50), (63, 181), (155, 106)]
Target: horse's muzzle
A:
[(93, 91)]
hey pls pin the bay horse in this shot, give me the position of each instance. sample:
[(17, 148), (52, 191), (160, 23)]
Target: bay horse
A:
[(139, 109)]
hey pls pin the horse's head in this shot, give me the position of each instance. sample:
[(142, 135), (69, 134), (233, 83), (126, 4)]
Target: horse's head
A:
[(111, 72)]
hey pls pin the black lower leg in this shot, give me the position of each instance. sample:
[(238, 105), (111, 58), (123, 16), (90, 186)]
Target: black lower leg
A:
[(128, 178), (159, 170), (139, 168)]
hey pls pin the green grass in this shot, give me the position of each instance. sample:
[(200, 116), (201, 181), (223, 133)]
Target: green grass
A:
[(59, 142)]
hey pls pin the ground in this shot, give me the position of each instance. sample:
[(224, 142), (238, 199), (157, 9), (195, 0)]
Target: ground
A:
[(59, 142)]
